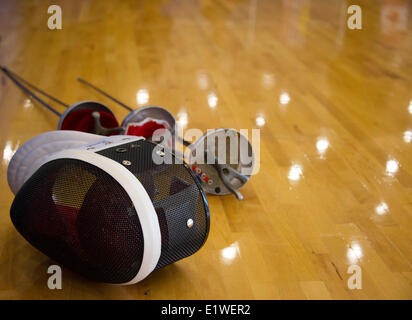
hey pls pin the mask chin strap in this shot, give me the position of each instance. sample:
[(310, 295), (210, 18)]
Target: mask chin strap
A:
[(100, 130)]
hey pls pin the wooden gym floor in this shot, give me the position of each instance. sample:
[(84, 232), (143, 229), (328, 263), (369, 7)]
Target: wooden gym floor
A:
[(335, 111)]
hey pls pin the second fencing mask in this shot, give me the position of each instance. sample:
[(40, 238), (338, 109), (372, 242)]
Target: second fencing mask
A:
[(103, 208)]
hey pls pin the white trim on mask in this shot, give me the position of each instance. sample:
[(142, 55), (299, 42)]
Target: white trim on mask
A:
[(41, 146)]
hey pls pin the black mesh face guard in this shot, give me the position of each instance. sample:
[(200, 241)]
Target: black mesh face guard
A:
[(81, 217), (176, 195)]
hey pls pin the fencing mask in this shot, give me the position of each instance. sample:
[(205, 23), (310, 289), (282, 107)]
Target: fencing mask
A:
[(101, 207)]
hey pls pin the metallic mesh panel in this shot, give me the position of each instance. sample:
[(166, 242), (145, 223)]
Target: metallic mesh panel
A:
[(176, 195), (82, 218)]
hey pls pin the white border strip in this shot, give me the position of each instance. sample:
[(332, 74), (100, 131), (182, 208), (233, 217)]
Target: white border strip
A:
[(137, 193)]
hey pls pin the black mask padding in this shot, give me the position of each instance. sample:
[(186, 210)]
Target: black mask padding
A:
[(176, 195), (82, 218)]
